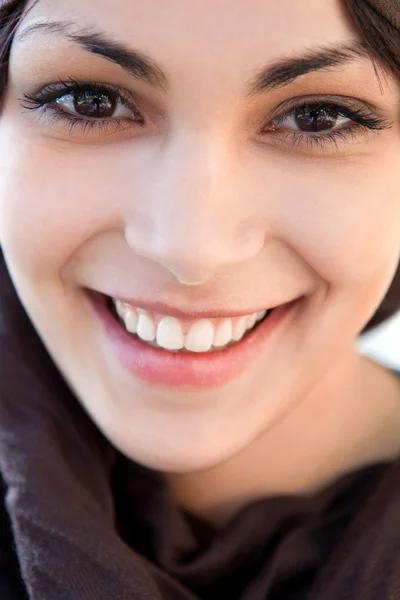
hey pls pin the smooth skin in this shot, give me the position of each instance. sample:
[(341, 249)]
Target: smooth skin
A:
[(207, 203)]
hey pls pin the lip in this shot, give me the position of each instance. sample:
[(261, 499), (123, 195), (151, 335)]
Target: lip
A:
[(160, 367), (172, 311)]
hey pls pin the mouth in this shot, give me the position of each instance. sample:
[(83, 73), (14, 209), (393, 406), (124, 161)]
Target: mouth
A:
[(184, 336), (182, 352)]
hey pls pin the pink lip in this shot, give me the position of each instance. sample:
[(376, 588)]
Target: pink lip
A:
[(172, 311), (160, 367)]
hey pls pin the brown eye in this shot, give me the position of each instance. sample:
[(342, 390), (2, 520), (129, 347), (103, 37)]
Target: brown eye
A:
[(94, 104), (312, 119), (315, 119)]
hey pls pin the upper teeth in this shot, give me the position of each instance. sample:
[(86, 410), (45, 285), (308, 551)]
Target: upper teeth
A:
[(199, 335)]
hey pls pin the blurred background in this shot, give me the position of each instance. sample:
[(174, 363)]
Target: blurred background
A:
[(382, 343)]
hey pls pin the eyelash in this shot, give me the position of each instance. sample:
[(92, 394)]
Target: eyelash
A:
[(42, 103), (361, 119)]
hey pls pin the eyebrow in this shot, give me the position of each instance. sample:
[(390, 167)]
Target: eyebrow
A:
[(141, 66)]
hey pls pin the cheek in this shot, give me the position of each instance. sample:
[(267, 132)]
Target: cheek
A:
[(344, 222), (52, 201)]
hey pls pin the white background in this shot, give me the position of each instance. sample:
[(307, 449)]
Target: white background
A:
[(382, 344)]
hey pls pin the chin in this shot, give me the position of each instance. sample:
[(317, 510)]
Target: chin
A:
[(173, 457)]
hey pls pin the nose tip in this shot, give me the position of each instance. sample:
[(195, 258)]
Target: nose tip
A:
[(194, 255), (186, 266)]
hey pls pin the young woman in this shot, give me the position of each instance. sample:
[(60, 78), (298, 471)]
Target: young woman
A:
[(199, 213)]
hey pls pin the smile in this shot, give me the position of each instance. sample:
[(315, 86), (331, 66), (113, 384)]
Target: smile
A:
[(184, 335), (182, 351)]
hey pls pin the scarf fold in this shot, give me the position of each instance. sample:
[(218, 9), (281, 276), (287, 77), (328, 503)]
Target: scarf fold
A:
[(87, 523)]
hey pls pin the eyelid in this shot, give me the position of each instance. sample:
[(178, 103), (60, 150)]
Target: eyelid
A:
[(150, 109), (355, 110), (362, 120), (53, 91), (44, 104), (345, 101)]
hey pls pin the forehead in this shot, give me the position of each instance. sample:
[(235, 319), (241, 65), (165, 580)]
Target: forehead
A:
[(200, 34)]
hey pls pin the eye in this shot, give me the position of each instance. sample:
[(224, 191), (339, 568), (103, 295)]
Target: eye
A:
[(314, 119), (317, 124), (92, 110), (95, 104)]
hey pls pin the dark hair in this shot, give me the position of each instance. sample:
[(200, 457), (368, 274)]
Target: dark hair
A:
[(379, 35)]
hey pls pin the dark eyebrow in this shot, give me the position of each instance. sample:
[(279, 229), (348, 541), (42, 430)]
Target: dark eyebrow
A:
[(139, 65), (133, 61), (286, 70)]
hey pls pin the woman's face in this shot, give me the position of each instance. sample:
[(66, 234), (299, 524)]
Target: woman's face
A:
[(234, 157)]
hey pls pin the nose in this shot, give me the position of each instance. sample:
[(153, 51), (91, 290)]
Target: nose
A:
[(192, 216)]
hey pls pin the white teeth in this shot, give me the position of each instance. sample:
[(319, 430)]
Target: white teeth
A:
[(146, 328), (200, 336), (251, 321), (239, 328), (170, 334), (131, 320), (223, 333), (120, 307)]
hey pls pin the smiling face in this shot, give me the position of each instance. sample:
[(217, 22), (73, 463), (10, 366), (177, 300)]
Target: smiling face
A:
[(168, 156)]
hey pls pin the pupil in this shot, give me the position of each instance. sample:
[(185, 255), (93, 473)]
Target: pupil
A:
[(94, 104), (315, 119)]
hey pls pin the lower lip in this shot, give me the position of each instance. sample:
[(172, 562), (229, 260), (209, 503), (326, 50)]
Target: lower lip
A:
[(205, 370)]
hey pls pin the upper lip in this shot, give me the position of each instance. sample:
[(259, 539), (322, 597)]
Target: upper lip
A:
[(169, 310)]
